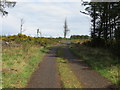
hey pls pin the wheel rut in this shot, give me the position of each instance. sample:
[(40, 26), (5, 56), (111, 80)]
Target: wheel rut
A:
[(88, 78), (46, 75)]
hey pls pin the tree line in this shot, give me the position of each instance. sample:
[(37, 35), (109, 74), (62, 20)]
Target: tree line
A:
[(105, 19), (80, 37)]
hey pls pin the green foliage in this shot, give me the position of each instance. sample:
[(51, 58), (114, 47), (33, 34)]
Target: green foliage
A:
[(110, 45), (79, 37), (23, 40), (68, 79), (18, 64), (21, 55), (99, 59), (105, 30)]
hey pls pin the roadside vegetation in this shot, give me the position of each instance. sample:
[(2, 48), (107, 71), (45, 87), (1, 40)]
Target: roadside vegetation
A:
[(105, 29), (68, 79), (19, 64), (102, 52), (21, 55), (101, 60)]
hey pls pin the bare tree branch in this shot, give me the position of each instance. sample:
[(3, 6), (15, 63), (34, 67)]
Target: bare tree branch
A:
[(84, 13), (4, 4)]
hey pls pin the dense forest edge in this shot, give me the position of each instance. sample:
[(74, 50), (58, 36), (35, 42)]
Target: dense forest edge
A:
[(105, 27)]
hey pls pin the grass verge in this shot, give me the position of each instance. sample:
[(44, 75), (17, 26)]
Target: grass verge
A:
[(100, 60), (19, 63), (68, 79)]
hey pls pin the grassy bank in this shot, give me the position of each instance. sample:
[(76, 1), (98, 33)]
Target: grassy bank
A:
[(68, 78), (19, 63), (101, 60)]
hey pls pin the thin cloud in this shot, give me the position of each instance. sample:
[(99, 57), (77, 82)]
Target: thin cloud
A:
[(49, 17)]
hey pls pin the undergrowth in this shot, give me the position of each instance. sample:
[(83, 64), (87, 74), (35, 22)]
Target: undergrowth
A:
[(101, 60), (18, 63)]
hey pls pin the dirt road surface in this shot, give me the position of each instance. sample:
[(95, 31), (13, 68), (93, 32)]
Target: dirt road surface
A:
[(46, 75), (88, 78)]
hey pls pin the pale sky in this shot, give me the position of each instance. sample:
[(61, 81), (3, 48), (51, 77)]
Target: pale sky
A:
[(48, 16)]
